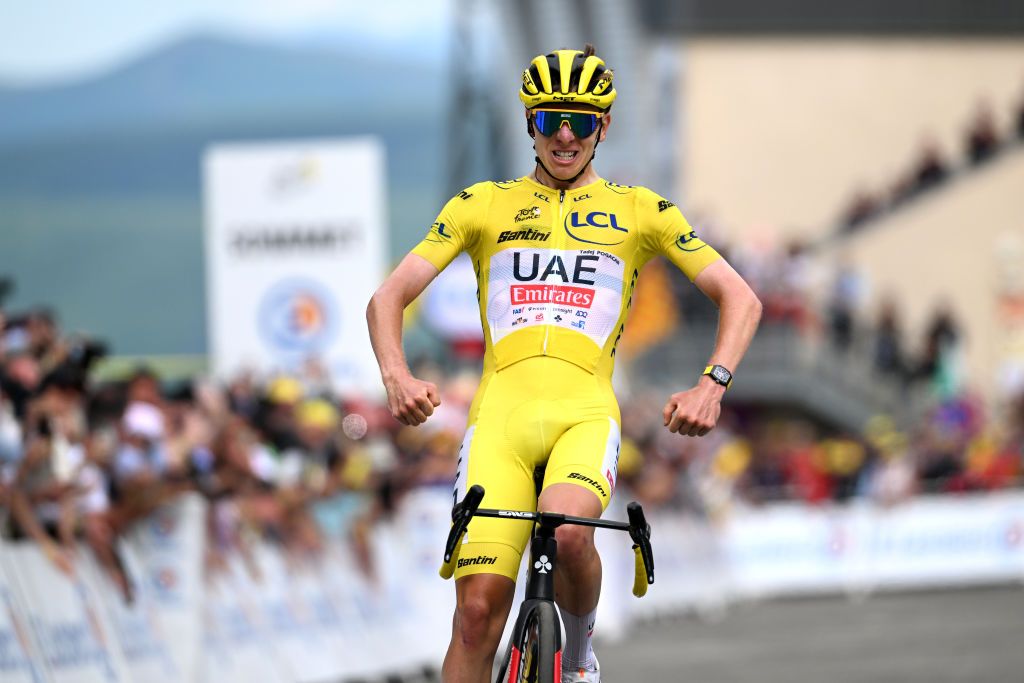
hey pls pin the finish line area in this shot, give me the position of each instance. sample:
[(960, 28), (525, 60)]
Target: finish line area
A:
[(962, 635)]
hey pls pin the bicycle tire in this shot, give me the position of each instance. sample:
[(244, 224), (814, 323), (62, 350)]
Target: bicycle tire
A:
[(536, 657)]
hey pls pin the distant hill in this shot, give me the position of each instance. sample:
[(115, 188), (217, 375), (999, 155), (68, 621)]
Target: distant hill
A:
[(142, 128), (206, 80), (100, 179)]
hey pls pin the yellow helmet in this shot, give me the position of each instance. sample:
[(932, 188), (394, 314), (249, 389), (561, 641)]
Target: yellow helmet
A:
[(567, 76)]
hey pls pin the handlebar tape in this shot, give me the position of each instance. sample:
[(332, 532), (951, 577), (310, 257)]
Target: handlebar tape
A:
[(448, 568), (461, 514), (640, 575)]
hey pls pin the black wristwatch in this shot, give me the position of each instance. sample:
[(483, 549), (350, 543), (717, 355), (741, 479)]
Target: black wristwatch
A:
[(719, 374)]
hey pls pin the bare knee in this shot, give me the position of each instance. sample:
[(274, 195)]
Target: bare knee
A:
[(575, 546), (477, 618)]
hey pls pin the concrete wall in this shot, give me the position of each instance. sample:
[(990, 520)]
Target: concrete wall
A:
[(963, 245), (779, 132)]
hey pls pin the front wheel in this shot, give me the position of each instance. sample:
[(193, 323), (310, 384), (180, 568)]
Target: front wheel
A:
[(536, 655)]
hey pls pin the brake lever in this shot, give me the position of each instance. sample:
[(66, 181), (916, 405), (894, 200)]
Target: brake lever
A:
[(462, 513), (640, 532)]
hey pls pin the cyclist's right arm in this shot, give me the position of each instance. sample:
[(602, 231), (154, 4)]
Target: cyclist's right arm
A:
[(410, 400)]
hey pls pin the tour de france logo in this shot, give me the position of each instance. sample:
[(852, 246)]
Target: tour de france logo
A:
[(298, 315)]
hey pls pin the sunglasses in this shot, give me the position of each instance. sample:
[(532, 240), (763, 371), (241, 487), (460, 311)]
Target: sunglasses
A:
[(581, 123)]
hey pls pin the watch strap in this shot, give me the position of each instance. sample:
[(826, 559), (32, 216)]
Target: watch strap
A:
[(710, 372)]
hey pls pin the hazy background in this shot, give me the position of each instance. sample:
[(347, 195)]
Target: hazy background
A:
[(107, 108)]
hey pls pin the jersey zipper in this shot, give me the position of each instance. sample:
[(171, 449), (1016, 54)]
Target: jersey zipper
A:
[(561, 208)]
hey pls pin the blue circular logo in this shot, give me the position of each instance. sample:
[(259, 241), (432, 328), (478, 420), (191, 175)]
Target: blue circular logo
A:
[(298, 315)]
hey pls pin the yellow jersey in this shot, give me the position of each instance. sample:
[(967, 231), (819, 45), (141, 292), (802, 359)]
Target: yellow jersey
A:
[(556, 269)]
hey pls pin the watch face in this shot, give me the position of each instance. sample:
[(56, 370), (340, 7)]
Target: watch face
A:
[(720, 374)]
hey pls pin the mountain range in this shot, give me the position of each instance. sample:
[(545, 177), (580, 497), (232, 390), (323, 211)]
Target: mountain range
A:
[(95, 173)]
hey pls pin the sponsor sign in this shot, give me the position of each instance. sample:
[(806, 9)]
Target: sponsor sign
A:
[(295, 244), (450, 305)]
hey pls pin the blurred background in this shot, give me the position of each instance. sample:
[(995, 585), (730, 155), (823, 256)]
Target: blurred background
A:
[(197, 200)]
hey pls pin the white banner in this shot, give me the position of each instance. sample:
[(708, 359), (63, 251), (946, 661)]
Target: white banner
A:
[(937, 541), (276, 618), (20, 661), (166, 554), (147, 649), (75, 640), (295, 246), (450, 305)]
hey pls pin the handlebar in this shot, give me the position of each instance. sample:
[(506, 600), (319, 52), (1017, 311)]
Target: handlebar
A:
[(638, 528), (640, 532)]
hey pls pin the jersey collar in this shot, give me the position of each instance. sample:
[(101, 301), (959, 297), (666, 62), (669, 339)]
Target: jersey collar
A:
[(552, 192)]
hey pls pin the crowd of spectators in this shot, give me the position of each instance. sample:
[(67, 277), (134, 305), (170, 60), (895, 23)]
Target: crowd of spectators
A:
[(829, 305), (754, 457), (82, 460), (982, 142)]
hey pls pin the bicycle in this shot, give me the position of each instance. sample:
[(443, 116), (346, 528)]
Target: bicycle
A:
[(534, 652)]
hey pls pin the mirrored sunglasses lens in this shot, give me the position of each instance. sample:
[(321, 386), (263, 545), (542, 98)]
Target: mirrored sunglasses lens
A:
[(582, 124)]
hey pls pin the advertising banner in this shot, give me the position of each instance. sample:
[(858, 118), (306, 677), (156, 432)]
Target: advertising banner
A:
[(19, 656), (167, 555), (76, 642), (295, 246)]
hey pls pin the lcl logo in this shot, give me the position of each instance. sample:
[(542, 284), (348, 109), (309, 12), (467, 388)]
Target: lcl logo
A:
[(595, 227)]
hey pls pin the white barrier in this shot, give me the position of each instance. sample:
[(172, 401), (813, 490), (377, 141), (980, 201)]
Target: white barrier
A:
[(275, 619), (790, 549)]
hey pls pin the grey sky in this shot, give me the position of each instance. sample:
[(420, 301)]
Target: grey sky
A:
[(50, 40)]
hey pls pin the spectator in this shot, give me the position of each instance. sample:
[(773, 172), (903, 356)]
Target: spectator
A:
[(891, 477), (842, 306), (931, 169), (1020, 119), (888, 353), (938, 363), (864, 207), (982, 139)]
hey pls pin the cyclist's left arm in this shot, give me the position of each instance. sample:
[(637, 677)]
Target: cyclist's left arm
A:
[(695, 412)]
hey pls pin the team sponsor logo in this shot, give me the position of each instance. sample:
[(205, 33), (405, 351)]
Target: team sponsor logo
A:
[(579, 324), (603, 83), (587, 480), (525, 235), (558, 318), (464, 195), (479, 559), (539, 317), (552, 294), (582, 314), (519, 321), (595, 227), (439, 233), (527, 214), (513, 513), (664, 204), (555, 268), (581, 197), (517, 311), (542, 197), (688, 241)]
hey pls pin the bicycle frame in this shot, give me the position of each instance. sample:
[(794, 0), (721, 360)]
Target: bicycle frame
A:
[(540, 584)]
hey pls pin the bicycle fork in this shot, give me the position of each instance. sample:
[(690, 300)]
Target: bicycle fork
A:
[(540, 590)]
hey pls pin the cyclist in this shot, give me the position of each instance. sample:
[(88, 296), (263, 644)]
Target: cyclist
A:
[(556, 253)]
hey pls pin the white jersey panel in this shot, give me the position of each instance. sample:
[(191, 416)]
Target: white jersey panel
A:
[(580, 290)]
